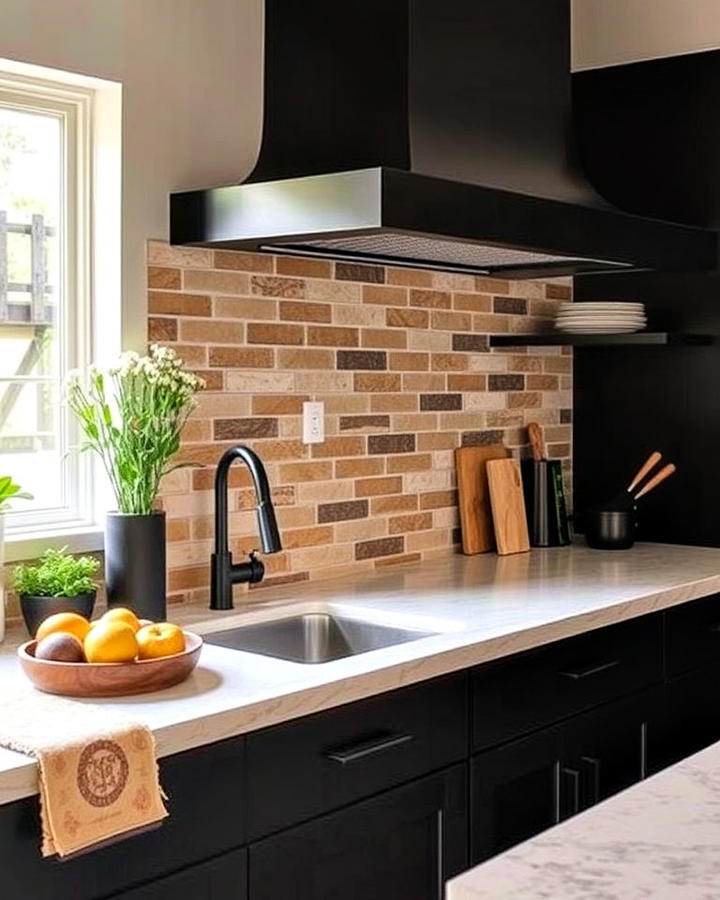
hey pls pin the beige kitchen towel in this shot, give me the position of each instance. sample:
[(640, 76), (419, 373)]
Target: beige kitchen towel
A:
[(98, 773)]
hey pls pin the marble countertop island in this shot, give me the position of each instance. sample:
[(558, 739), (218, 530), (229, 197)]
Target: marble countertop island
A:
[(659, 839), (478, 608)]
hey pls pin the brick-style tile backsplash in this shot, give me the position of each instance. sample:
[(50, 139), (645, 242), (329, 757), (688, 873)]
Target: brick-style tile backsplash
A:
[(401, 360)]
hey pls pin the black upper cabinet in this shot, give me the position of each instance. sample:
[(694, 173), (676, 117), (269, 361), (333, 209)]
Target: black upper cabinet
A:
[(401, 845)]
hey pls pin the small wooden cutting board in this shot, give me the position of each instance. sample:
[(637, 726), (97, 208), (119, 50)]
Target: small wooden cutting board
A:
[(473, 497), (508, 506)]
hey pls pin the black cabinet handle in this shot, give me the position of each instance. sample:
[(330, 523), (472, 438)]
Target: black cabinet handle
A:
[(593, 669), (368, 747), (573, 775), (593, 766)]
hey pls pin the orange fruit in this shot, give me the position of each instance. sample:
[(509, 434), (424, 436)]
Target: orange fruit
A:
[(122, 614), (111, 642), (160, 639), (67, 622)]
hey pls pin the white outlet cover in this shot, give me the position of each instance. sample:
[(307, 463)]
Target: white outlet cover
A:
[(313, 422)]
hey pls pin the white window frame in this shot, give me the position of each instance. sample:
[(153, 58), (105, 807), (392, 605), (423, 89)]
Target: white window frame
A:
[(91, 113)]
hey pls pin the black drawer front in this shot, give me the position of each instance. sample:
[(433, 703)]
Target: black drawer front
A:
[(304, 768), (692, 634), (518, 695)]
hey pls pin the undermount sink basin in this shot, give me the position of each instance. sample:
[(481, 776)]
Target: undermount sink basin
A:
[(314, 637)]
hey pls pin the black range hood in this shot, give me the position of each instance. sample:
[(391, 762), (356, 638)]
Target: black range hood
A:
[(427, 134)]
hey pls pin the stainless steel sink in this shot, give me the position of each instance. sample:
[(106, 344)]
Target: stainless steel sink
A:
[(313, 637)]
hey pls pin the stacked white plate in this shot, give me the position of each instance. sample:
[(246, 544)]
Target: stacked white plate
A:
[(601, 317)]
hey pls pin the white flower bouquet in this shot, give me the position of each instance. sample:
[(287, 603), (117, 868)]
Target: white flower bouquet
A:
[(132, 416)]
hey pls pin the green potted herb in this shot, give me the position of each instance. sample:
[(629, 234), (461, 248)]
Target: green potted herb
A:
[(132, 416), (9, 491), (59, 582)]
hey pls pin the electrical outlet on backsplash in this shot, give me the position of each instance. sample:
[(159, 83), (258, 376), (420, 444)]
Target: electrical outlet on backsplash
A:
[(401, 361)]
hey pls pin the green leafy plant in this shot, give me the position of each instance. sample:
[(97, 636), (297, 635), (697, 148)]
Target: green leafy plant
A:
[(11, 491), (57, 574), (132, 417)]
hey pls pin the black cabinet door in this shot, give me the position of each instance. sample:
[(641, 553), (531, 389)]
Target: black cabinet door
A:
[(603, 752), (515, 792), (400, 845), (224, 878)]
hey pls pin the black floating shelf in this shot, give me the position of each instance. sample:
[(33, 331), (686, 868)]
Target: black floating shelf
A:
[(639, 338)]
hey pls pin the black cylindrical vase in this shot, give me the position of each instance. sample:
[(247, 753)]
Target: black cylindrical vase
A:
[(135, 563)]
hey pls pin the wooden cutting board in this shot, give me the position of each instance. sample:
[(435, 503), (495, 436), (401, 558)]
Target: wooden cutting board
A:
[(508, 506), (473, 497)]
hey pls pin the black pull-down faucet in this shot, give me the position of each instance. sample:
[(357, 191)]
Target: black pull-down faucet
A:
[(223, 572)]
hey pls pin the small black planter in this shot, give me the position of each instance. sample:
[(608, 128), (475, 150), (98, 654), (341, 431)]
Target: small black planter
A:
[(135, 563), (36, 609)]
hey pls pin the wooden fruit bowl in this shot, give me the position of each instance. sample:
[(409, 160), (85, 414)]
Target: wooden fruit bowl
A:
[(110, 679)]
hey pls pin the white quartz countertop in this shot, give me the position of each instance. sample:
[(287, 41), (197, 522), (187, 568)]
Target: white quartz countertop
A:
[(659, 839), (482, 607)]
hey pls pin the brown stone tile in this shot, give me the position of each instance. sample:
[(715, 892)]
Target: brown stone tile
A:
[(192, 355), (333, 336), (513, 306), (340, 446), (424, 382), (241, 358), (390, 402), (566, 416), (361, 359), (491, 285), (204, 479), (282, 495), (379, 547), (408, 462), (391, 443), (438, 499), (383, 337), (190, 577), (305, 358), (359, 272), (177, 529), (384, 382), (490, 323), (480, 303), (306, 471), (212, 281), (160, 253), (409, 277), (372, 487), (402, 560), (430, 299), (278, 405), (363, 423), (384, 295), (407, 318), (280, 450), (271, 333), (359, 467), (214, 380), (393, 503), (243, 262), (303, 267), (409, 362), (542, 383), (440, 440), (245, 308), (341, 512), (163, 278), (413, 522), (467, 382), (210, 331), (524, 400), (234, 429), (307, 537), (270, 286), (298, 311), (501, 382), (473, 343), (160, 329), (525, 364), (440, 401), (481, 438), (450, 321), (559, 451), (277, 580), (504, 418), (559, 365), (558, 291), (448, 362)]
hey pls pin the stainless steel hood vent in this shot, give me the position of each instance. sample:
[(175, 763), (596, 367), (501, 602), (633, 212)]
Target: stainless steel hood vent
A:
[(426, 134)]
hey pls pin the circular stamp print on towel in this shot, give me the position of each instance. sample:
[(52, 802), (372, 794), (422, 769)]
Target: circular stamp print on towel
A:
[(102, 773)]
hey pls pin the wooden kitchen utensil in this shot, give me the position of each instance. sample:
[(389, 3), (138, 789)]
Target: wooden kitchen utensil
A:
[(473, 498), (664, 473), (508, 506)]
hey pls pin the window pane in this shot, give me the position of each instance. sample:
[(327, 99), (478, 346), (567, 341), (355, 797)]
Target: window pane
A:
[(33, 351)]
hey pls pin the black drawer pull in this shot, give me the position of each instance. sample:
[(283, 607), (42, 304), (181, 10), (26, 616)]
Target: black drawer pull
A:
[(368, 747), (595, 669)]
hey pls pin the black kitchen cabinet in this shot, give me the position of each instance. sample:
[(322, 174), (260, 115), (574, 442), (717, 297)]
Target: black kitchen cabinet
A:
[(224, 878), (400, 845)]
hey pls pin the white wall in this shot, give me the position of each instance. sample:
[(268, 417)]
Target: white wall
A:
[(191, 72), (610, 32)]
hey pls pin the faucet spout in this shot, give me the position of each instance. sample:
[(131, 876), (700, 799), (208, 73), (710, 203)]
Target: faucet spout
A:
[(223, 572)]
